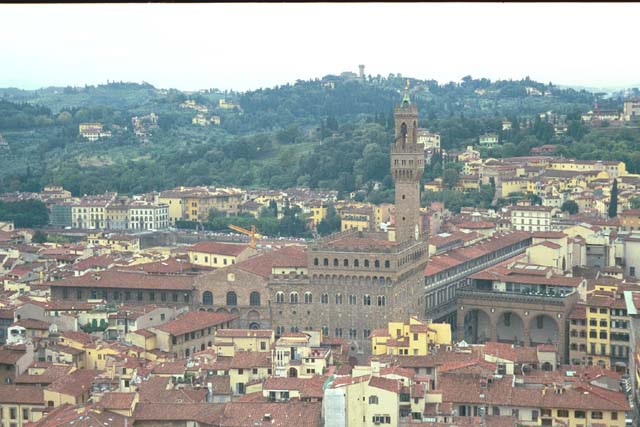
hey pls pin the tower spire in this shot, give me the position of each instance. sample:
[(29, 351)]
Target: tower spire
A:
[(406, 100)]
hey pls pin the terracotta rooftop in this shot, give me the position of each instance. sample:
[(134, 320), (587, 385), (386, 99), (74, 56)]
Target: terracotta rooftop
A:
[(217, 248), (76, 383), (21, 395), (126, 280), (195, 320), (263, 264), (114, 400)]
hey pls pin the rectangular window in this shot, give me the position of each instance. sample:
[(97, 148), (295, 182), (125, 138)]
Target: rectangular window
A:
[(139, 295), (596, 415), (25, 414), (152, 296), (13, 413), (175, 297), (163, 296), (579, 414), (127, 295), (563, 413)]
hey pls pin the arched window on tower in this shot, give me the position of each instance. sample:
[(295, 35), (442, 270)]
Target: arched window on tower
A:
[(403, 133)]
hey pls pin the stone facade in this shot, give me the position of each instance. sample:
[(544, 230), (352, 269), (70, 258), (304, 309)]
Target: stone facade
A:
[(524, 320), (246, 291), (359, 281)]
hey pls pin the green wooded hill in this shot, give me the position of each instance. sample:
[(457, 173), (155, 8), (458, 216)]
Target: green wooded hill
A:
[(332, 132)]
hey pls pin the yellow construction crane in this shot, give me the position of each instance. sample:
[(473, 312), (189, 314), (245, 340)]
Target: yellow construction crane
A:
[(251, 233)]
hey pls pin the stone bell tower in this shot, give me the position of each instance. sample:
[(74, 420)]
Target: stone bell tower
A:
[(407, 166)]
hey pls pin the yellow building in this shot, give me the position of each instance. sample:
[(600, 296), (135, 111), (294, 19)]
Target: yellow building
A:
[(20, 405), (318, 213), (218, 255), (630, 220), (196, 203), (513, 185), (607, 328), (74, 389), (358, 218), (228, 341), (414, 338)]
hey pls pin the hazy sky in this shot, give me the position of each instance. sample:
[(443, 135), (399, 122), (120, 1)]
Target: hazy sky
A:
[(247, 46)]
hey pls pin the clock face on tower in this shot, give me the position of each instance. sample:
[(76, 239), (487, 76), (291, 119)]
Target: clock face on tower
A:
[(417, 232)]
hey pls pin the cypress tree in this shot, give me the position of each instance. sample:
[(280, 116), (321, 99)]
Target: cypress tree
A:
[(613, 202)]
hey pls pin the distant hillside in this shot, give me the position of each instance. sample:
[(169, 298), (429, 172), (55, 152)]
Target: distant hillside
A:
[(332, 132)]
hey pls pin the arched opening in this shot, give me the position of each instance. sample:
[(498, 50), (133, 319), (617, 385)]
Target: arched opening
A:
[(315, 261), (293, 298), (232, 298), (222, 310), (356, 263), (280, 298), (254, 299), (207, 298), (325, 262), (253, 315), (254, 325), (293, 372), (403, 132), (543, 330), (234, 311), (202, 347), (510, 328), (335, 262), (546, 366), (477, 327)]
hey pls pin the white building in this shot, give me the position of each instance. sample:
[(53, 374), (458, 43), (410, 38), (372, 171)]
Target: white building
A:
[(531, 218)]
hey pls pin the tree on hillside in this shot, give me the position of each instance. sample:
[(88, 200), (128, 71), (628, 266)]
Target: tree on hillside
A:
[(613, 203), (331, 223), (450, 178), (570, 206)]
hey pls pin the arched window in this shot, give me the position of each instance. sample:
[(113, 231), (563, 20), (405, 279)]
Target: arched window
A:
[(325, 262), (279, 330), (387, 264), (338, 298), (373, 400), (315, 261), (382, 300), (324, 299), (308, 298), (345, 263), (376, 264), (232, 298), (356, 263), (293, 298), (366, 263), (366, 300), (325, 331), (207, 298), (254, 298), (335, 262), (279, 297)]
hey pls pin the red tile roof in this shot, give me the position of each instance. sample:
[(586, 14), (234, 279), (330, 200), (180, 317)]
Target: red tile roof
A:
[(126, 280), (217, 248), (21, 395), (263, 264), (113, 400), (195, 320), (76, 383)]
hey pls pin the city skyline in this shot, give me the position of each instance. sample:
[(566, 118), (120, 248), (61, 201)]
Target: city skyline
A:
[(246, 47)]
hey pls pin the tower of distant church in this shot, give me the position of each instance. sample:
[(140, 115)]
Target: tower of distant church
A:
[(407, 166)]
